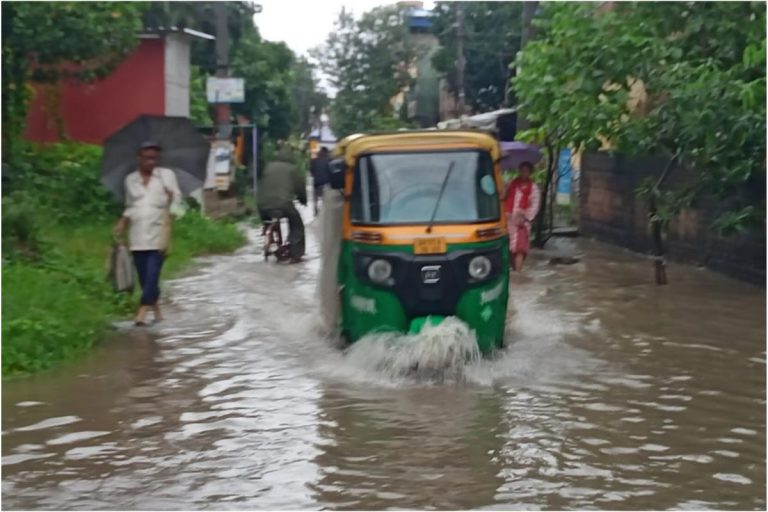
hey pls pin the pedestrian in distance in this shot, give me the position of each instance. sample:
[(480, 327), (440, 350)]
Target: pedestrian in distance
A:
[(522, 203), (150, 192), (320, 171)]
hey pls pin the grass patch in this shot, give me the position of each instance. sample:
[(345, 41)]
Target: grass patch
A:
[(58, 306), (47, 317)]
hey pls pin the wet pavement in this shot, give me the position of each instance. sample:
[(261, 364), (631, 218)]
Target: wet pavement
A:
[(612, 394)]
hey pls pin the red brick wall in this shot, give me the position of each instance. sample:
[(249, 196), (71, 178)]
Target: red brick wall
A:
[(91, 112)]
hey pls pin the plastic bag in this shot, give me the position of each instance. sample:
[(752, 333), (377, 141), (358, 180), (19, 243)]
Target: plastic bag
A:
[(121, 273)]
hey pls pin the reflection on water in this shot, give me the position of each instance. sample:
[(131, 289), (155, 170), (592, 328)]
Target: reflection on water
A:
[(613, 394), (395, 448)]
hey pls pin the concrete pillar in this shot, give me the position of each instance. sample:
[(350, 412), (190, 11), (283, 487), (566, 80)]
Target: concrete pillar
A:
[(177, 74)]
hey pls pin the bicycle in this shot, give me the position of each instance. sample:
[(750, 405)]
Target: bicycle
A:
[(274, 244)]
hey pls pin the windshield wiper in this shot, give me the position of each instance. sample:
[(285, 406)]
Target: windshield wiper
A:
[(439, 197)]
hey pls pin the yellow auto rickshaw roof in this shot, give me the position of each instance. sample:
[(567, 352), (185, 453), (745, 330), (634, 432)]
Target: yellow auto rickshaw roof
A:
[(354, 145), (341, 146)]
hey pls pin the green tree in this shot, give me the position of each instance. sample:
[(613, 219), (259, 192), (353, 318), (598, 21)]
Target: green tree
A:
[(369, 63), (492, 38), (199, 109), (307, 97), (49, 42), (702, 65), (266, 68)]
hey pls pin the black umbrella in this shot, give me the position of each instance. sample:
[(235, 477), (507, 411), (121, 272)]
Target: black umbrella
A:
[(184, 150)]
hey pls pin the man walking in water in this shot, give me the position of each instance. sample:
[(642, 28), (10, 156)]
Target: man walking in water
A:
[(280, 184), (149, 193), (320, 175)]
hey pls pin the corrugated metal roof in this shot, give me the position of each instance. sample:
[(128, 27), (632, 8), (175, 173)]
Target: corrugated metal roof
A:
[(160, 31)]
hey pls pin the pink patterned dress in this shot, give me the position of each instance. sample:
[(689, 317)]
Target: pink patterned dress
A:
[(522, 205)]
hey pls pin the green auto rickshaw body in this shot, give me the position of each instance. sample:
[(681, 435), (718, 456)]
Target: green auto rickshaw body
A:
[(405, 305)]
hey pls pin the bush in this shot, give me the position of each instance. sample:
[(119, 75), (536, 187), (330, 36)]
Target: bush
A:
[(21, 228), (46, 318), (194, 234), (64, 180)]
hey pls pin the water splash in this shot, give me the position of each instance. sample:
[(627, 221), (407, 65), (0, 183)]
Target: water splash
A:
[(537, 351), (438, 354)]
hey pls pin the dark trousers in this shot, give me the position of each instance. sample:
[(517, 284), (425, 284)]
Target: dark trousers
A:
[(148, 265), (295, 227), (317, 196)]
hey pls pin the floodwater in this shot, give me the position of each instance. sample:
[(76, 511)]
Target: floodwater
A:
[(612, 394)]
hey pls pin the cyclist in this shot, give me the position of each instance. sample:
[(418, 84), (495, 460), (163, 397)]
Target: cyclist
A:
[(282, 182)]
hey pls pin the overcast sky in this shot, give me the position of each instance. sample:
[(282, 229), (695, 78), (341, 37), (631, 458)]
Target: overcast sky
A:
[(305, 24)]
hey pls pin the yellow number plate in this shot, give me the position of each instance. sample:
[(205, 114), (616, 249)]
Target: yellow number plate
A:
[(430, 246)]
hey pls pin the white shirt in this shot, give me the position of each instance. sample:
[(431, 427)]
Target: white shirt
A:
[(146, 206)]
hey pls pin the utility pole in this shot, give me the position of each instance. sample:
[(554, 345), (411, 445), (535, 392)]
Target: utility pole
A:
[(223, 116), (460, 62), (529, 11)]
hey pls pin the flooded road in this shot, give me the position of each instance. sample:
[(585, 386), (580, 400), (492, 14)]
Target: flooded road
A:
[(612, 394)]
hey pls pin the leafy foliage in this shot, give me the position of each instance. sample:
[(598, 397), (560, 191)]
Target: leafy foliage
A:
[(21, 229), (369, 62), (72, 39), (52, 41), (700, 65), (267, 70), (307, 98), (55, 184), (492, 38), (62, 182), (49, 318), (199, 109)]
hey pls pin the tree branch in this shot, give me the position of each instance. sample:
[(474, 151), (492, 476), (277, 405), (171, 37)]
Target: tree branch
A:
[(656, 222)]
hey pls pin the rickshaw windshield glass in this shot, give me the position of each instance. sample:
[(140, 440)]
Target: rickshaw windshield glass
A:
[(403, 188)]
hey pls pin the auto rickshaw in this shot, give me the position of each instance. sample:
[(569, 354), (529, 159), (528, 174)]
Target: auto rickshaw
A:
[(420, 234)]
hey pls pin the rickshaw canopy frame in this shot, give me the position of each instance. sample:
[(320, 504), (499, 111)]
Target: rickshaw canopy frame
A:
[(354, 145)]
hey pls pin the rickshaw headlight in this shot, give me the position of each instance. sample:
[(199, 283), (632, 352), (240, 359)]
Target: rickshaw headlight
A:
[(479, 267), (380, 271)]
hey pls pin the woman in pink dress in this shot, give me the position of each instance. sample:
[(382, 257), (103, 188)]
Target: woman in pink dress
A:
[(521, 205)]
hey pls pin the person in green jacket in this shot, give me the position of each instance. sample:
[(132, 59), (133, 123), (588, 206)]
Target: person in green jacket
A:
[(281, 182)]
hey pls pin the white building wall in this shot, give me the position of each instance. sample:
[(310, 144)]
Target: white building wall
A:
[(177, 74)]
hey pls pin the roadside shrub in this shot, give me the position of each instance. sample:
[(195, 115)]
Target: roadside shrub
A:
[(64, 179), (207, 235), (46, 319), (21, 228)]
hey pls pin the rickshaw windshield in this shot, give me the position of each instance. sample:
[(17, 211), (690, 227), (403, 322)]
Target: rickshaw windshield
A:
[(405, 188)]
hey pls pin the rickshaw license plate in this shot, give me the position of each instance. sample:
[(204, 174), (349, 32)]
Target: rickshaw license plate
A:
[(430, 246)]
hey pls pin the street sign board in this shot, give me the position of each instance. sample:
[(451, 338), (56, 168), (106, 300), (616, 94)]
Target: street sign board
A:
[(225, 90)]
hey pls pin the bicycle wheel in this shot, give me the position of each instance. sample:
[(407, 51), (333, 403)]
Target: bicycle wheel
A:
[(268, 241)]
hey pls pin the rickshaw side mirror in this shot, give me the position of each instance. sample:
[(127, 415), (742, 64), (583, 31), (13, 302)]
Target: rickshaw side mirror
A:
[(337, 174)]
